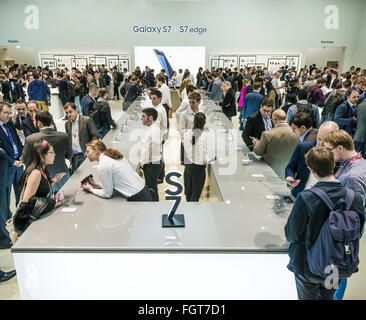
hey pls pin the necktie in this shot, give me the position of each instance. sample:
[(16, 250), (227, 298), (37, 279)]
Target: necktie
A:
[(16, 153)]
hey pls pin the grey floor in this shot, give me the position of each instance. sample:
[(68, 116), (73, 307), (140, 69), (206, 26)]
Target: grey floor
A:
[(356, 289)]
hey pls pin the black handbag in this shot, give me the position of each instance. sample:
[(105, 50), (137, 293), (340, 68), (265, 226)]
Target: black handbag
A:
[(47, 97), (28, 212)]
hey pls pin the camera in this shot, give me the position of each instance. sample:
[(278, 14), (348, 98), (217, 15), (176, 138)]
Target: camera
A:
[(86, 179)]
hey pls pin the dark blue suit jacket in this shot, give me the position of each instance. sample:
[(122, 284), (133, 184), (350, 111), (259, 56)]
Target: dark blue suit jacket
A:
[(5, 165), (252, 103), (87, 103), (29, 127), (344, 117), (297, 167), (6, 144)]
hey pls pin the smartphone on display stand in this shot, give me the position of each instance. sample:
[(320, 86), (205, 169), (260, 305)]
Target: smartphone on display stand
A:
[(164, 62)]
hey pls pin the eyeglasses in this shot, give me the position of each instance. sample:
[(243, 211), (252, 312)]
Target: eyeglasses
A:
[(8, 113), (332, 148)]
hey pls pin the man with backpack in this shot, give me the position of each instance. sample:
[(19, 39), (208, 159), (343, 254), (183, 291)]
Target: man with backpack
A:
[(101, 114), (351, 173), (308, 226), (333, 100), (117, 80), (304, 106), (345, 114)]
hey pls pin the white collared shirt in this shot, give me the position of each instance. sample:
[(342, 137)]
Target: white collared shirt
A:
[(162, 120), (179, 79), (75, 135), (151, 146), (165, 91), (186, 120), (183, 107), (117, 175), (202, 151)]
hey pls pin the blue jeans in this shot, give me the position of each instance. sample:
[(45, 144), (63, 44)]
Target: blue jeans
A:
[(14, 176), (78, 104), (4, 216), (58, 185)]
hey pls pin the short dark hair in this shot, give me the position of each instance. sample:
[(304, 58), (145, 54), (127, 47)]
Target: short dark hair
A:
[(291, 98), (256, 85), (102, 92), (44, 116), (302, 119), (70, 104), (157, 93), (195, 96), (321, 160), (302, 95), (20, 101), (151, 112), (268, 102), (4, 103), (190, 88)]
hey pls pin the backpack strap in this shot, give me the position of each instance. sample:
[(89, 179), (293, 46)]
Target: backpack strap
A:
[(349, 198), (323, 196)]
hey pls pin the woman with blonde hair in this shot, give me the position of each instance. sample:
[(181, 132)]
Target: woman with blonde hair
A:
[(182, 89), (115, 173)]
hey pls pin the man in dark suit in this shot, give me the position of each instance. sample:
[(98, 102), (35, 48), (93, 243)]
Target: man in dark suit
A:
[(81, 130), (296, 172), (13, 148), (252, 102), (360, 134), (302, 123), (332, 80), (257, 123), (5, 165), (306, 219), (345, 114), (89, 100), (60, 142), (29, 122)]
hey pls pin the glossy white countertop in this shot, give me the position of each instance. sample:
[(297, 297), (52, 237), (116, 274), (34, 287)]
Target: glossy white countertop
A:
[(245, 221)]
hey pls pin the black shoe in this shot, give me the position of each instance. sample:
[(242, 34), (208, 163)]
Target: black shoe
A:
[(159, 181), (8, 275)]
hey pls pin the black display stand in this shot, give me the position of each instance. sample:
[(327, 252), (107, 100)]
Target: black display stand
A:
[(176, 222)]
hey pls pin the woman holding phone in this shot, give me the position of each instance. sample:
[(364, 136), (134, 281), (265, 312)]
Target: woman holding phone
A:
[(115, 173)]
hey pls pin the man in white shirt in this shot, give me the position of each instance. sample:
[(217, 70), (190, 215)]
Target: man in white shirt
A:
[(166, 100), (81, 130), (179, 78), (151, 150), (187, 117), (161, 122), (278, 86)]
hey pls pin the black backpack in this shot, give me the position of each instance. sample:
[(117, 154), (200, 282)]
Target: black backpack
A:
[(331, 106), (94, 113), (310, 94), (308, 109), (70, 89)]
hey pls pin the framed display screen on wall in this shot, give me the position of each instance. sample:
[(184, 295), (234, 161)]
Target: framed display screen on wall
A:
[(100, 60), (274, 64), (292, 61), (215, 63), (229, 62), (123, 63), (50, 63), (246, 61)]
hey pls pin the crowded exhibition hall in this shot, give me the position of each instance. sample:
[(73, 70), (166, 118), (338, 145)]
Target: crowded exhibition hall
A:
[(230, 163)]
